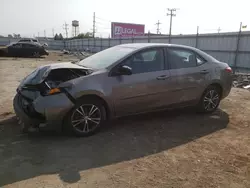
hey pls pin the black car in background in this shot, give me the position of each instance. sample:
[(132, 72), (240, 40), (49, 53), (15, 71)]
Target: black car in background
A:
[(32, 40), (24, 49), (28, 40)]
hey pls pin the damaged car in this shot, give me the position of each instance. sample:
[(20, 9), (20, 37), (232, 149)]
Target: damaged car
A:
[(24, 49), (123, 80)]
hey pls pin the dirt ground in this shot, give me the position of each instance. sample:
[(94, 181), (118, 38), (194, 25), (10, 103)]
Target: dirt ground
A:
[(169, 149)]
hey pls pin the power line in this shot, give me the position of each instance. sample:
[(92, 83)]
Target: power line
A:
[(171, 14), (158, 27), (65, 27), (103, 19)]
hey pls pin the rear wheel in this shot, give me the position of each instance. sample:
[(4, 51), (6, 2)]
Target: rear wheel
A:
[(210, 99), (86, 118)]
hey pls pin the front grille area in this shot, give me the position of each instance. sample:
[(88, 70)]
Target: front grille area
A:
[(27, 106)]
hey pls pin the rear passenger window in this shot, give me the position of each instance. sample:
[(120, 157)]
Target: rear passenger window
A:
[(181, 58)]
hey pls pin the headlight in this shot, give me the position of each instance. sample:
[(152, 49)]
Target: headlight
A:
[(52, 91)]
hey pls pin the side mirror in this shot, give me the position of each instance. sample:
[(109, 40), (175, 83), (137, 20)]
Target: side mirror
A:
[(125, 70)]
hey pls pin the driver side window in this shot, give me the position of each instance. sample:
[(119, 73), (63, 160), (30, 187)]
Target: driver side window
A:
[(146, 61)]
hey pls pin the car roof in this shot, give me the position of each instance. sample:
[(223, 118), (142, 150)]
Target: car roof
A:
[(141, 46), (145, 45), (28, 39), (32, 43)]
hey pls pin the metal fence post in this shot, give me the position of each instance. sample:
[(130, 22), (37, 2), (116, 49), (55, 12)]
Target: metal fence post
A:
[(94, 44), (196, 38), (237, 49), (82, 44), (120, 40), (132, 38), (148, 37), (88, 43), (109, 41), (101, 43)]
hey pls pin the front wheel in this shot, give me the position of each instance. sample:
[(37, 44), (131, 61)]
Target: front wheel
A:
[(86, 117), (210, 100), (36, 54)]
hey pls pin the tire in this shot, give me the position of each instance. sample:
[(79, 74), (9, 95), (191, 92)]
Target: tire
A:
[(86, 118), (210, 100), (36, 54)]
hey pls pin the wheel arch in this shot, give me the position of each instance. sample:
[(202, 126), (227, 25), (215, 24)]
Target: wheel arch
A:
[(217, 85), (100, 99)]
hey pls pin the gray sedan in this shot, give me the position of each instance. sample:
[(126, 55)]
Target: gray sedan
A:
[(122, 80)]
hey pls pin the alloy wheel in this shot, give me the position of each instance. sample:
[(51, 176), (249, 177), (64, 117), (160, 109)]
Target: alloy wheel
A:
[(211, 100), (86, 118)]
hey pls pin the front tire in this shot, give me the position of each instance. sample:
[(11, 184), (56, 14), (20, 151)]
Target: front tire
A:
[(210, 100), (86, 118), (36, 54)]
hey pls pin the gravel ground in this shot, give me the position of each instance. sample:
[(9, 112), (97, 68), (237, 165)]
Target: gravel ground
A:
[(169, 149)]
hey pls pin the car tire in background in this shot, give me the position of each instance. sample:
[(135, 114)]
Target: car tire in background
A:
[(86, 118), (36, 54), (210, 99)]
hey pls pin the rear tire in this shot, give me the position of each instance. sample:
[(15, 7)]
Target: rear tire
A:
[(210, 100), (86, 118)]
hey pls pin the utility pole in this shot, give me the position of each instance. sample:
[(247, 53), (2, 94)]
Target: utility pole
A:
[(171, 14), (94, 31), (237, 49), (53, 33), (219, 29), (65, 27), (158, 27), (196, 38)]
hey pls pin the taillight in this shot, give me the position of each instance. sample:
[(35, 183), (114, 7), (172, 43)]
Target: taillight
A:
[(229, 70)]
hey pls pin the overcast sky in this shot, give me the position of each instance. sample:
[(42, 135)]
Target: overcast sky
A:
[(30, 17)]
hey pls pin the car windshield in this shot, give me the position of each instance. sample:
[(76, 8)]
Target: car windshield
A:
[(106, 57)]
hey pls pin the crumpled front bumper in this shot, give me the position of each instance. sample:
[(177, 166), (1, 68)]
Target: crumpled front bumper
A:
[(45, 112), (24, 120)]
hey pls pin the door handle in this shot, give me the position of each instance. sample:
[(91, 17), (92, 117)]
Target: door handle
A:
[(204, 72), (162, 77)]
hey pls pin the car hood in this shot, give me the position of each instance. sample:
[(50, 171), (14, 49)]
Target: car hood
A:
[(41, 73)]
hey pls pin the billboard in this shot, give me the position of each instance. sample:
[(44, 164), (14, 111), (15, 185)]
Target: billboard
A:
[(126, 30)]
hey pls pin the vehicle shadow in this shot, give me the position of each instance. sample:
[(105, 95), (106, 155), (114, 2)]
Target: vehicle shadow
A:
[(125, 139)]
